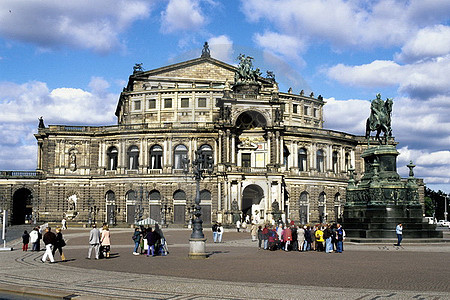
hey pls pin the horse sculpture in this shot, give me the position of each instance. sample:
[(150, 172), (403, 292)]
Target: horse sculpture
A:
[(380, 119)]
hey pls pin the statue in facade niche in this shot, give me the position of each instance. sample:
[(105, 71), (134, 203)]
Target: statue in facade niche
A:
[(245, 72), (380, 118), (72, 161)]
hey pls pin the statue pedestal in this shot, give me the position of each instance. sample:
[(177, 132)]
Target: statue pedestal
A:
[(381, 200), (197, 248)]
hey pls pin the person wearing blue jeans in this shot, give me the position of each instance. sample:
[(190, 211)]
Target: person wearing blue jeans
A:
[(214, 231), (339, 238), (137, 239), (399, 231)]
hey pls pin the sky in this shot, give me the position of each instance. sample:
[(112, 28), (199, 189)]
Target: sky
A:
[(69, 60)]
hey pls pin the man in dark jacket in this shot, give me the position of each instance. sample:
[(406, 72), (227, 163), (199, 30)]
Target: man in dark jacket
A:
[(152, 237), (49, 241)]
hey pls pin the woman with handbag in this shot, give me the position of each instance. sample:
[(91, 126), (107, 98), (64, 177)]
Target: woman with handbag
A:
[(60, 243)]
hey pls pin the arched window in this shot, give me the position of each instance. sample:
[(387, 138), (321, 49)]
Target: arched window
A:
[(179, 195), (131, 196), (347, 161), (304, 208), (205, 155), (156, 153), (205, 195), (112, 154), (286, 154), (133, 158), (250, 120), (302, 159), (180, 152), (154, 195), (337, 207), (322, 209), (320, 161), (335, 162), (110, 197)]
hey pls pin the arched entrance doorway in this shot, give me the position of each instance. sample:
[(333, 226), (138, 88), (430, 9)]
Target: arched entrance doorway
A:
[(22, 209), (251, 202)]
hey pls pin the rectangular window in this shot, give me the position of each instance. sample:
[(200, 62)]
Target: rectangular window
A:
[(168, 103), (306, 110), (315, 112), (294, 108), (184, 102), (137, 105), (246, 159), (152, 103), (201, 102)]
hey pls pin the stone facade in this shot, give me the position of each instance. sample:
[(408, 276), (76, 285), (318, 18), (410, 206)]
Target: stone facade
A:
[(268, 147)]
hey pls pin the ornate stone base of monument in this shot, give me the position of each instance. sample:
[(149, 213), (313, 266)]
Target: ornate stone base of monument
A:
[(197, 248), (382, 199)]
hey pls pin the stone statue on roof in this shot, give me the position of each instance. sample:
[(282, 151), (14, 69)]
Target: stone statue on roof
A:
[(245, 72), (138, 68), (205, 51)]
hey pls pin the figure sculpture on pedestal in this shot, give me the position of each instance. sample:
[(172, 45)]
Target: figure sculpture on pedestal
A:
[(380, 119)]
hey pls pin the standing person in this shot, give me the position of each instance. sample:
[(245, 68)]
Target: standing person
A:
[(25, 240), (327, 233), (287, 237), (219, 233), (105, 240), (308, 239), (214, 231), (34, 238), (319, 239), (238, 225), (151, 240), (265, 234), (64, 224), (60, 243), (260, 236), (162, 241), (301, 237), (294, 236), (49, 241), (38, 242), (399, 231), (254, 232), (339, 238), (137, 240), (94, 242)]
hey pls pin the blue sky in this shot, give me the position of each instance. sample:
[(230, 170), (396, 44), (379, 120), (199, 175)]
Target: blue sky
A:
[(68, 61)]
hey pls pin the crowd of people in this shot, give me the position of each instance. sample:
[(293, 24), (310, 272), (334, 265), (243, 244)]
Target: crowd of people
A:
[(150, 242), (321, 237)]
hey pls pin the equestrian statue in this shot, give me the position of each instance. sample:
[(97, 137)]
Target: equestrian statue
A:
[(380, 119)]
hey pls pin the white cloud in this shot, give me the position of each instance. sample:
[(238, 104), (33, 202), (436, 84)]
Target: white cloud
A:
[(182, 15), (430, 42), (346, 115), (22, 104), (420, 80), (221, 48), (341, 23), (280, 44), (80, 24)]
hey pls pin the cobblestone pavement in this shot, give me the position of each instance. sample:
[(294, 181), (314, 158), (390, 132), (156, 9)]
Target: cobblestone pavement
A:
[(236, 269)]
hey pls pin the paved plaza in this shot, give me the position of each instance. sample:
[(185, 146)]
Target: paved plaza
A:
[(236, 269)]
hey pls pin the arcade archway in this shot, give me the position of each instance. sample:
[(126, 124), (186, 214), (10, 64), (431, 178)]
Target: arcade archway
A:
[(22, 209), (251, 200)]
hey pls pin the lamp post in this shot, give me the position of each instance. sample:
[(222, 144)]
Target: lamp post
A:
[(203, 163), (90, 211), (35, 203), (445, 208)]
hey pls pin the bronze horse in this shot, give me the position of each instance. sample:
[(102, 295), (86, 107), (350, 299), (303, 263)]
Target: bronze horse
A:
[(380, 120)]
